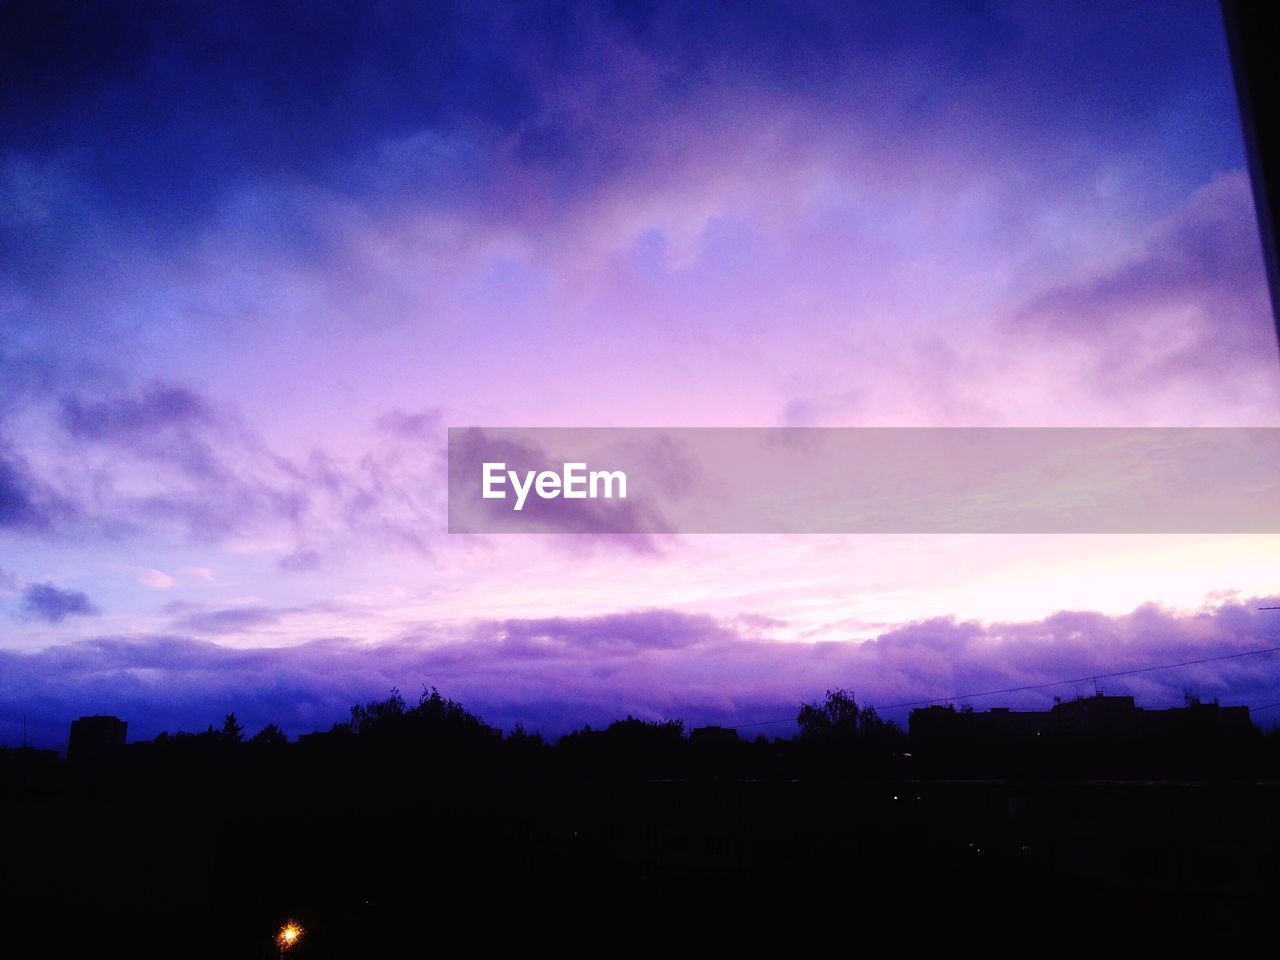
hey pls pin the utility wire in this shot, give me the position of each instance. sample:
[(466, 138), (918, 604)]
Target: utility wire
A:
[(1051, 683)]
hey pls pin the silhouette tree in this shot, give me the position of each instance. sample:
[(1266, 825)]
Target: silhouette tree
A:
[(434, 710), (270, 736), (434, 719), (232, 732), (379, 716), (521, 735), (839, 717)]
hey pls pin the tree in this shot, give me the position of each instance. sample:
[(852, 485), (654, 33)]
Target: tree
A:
[(232, 732), (524, 738), (378, 716), (636, 734), (270, 736), (434, 718), (839, 717)]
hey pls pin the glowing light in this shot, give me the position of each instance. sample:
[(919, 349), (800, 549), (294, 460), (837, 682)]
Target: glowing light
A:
[(288, 935)]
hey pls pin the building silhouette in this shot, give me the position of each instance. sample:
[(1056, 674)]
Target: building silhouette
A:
[(1085, 718), (95, 737)]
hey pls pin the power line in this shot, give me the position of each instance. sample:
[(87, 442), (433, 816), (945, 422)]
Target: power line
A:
[(1041, 686)]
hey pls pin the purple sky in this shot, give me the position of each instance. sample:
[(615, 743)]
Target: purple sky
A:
[(256, 262)]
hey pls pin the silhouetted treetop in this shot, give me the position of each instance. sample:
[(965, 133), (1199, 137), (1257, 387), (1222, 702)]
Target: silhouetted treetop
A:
[(631, 734), (232, 732), (270, 736), (839, 717), (433, 718)]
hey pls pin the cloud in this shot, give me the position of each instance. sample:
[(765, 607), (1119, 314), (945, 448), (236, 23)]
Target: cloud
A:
[(44, 601), (1192, 303), (157, 579), (425, 425), (160, 407), (195, 618), (532, 116), (611, 634), (17, 508), (27, 504), (235, 620), (167, 424), (176, 458), (300, 560), (556, 673), (631, 524)]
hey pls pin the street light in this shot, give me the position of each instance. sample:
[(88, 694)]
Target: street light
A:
[(289, 934)]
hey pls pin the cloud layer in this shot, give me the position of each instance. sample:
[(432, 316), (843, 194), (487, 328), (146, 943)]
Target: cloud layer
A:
[(554, 674)]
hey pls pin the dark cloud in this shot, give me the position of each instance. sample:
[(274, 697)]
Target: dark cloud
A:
[(28, 503), (165, 108), (236, 620), (162, 111), (161, 407), (557, 673), (44, 601), (167, 424), (17, 502), (173, 682)]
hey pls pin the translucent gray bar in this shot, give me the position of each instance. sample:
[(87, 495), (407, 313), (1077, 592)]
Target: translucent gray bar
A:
[(866, 480)]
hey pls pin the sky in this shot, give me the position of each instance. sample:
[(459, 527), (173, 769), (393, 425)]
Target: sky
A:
[(255, 261)]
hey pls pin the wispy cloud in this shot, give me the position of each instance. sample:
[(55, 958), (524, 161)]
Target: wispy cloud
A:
[(235, 620), (176, 459), (1192, 303)]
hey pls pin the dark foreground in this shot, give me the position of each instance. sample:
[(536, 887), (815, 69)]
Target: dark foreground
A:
[(381, 860)]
